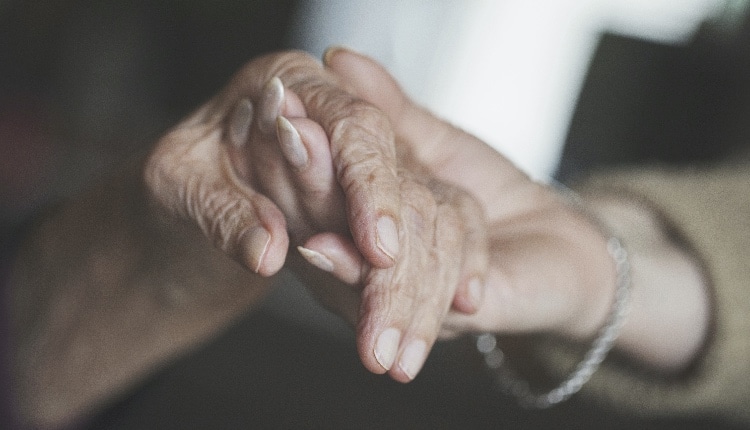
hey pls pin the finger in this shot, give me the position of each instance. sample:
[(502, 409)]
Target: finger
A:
[(305, 147), (339, 260), (437, 290), (364, 160), (271, 102), (402, 307), (432, 139), (238, 133), (337, 255), (368, 79), (293, 106), (276, 100), (469, 295), (291, 145), (201, 186)]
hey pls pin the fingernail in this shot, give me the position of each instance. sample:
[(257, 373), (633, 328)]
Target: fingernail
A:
[(475, 291), (316, 259), (387, 239), (273, 96), (291, 143), (386, 347), (328, 54), (239, 123), (256, 245), (413, 358)]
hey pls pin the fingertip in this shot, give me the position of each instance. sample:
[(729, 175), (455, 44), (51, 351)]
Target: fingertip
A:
[(469, 296), (343, 58), (291, 144), (368, 77), (386, 347), (265, 242), (387, 237), (335, 254), (271, 102), (317, 259), (264, 253), (411, 361), (316, 146), (377, 360), (239, 123), (476, 292), (376, 238), (256, 246), (332, 51)]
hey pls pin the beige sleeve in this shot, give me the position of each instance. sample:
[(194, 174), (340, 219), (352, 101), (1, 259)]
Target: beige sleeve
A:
[(710, 209)]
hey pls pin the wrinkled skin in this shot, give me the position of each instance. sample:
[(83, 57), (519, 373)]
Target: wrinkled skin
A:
[(232, 169), (190, 171), (550, 271), (549, 267)]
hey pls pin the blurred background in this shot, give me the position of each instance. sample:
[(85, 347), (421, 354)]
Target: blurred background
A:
[(85, 84), (562, 87)]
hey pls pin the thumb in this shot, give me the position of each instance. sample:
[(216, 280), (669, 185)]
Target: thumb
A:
[(368, 79), (412, 123), (199, 185)]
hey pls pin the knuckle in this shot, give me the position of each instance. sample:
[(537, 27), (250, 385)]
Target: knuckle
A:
[(357, 120), (364, 177), (358, 161), (294, 67), (384, 304), (421, 201), (270, 65), (221, 217)]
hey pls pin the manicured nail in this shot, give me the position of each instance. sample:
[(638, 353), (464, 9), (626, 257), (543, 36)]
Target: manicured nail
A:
[(387, 239), (475, 292), (270, 104), (386, 347), (316, 259), (256, 245), (291, 143), (413, 358), (239, 123)]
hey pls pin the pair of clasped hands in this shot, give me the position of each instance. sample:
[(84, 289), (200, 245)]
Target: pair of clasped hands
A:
[(416, 229)]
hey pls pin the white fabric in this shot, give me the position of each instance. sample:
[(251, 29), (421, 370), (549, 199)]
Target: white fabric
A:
[(508, 71)]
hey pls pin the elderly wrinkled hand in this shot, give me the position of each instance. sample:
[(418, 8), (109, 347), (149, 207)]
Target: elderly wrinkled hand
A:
[(285, 153), (190, 173), (398, 311)]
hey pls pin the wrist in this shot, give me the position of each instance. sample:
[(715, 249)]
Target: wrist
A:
[(604, 341), (669, 316), (595, 252)]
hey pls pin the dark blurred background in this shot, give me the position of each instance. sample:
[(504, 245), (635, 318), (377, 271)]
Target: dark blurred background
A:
[(86, 84)]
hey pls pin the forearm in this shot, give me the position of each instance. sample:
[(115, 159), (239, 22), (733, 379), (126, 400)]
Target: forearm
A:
[(105, 290)]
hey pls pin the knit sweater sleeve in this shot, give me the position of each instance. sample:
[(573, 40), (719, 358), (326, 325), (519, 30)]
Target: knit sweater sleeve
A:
[(710, 210)]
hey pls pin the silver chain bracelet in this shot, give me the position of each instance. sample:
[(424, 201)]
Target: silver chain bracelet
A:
[(509, 383)]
